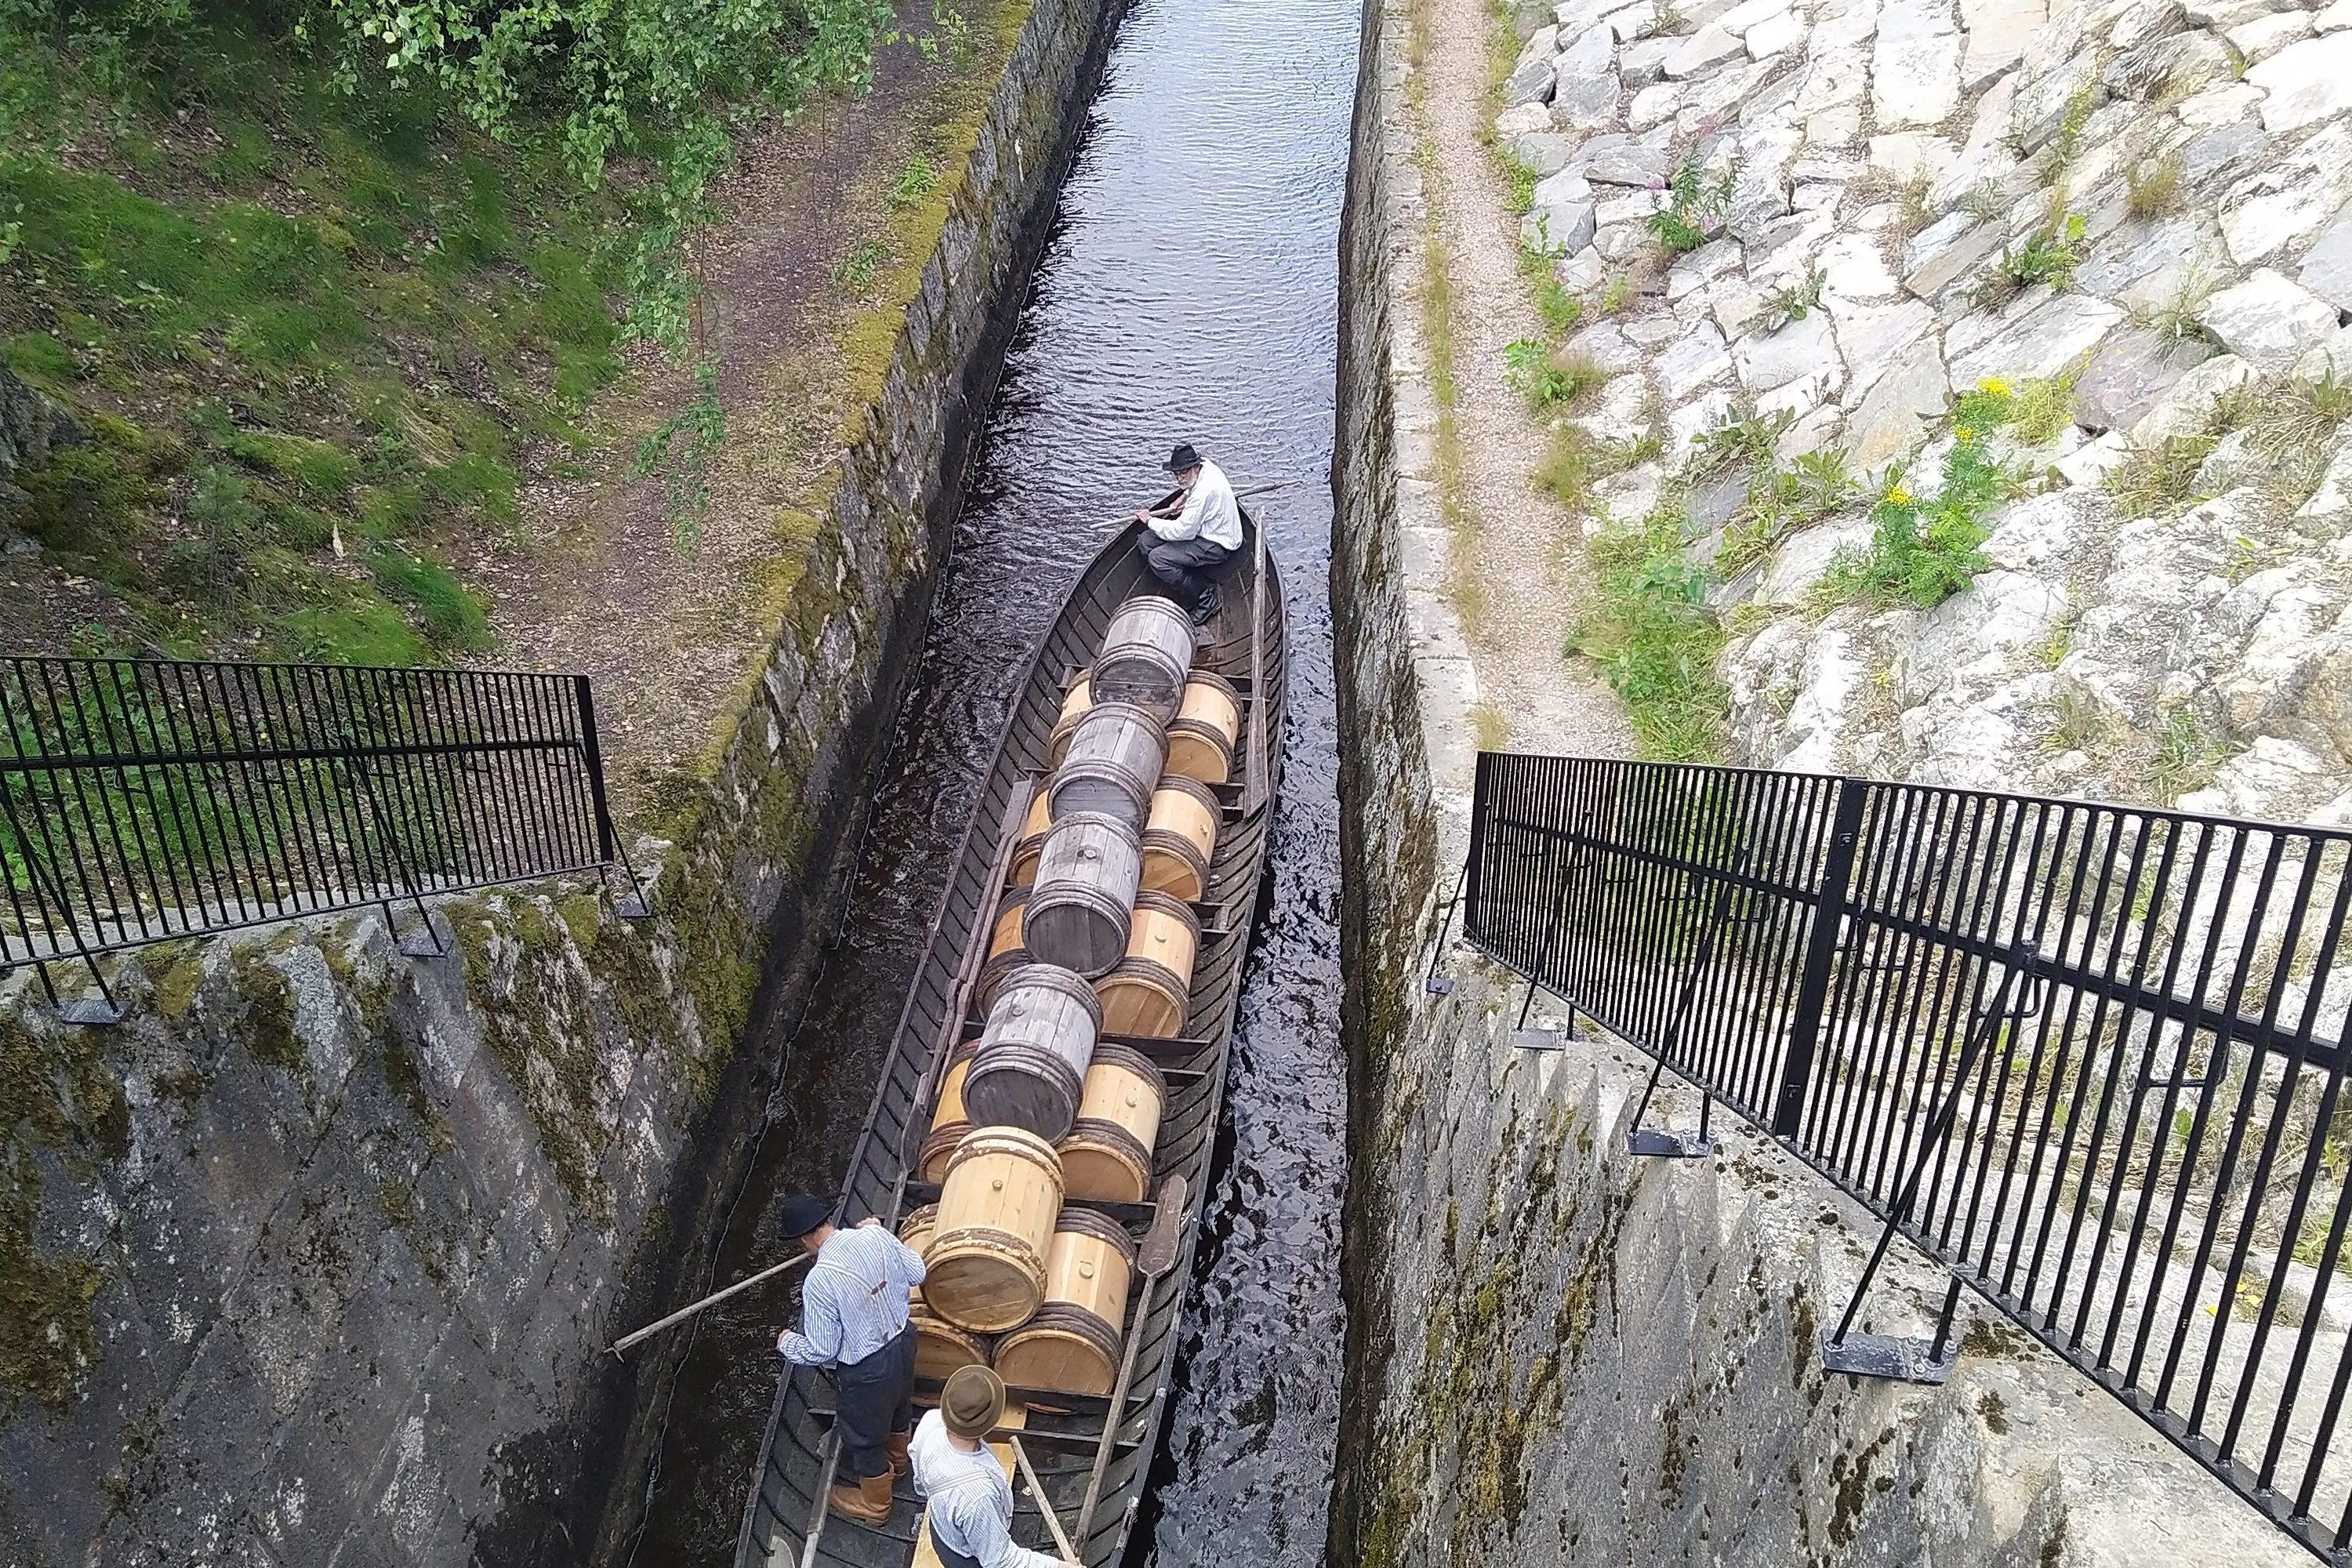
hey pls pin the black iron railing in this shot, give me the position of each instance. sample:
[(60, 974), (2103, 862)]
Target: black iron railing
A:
[(2090, 1057), (145, 799)]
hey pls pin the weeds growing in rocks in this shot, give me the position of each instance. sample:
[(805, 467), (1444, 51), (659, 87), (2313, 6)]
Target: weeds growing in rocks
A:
[(2041, 409), (856, 269), (1654, 638), (2152, 190), (2152, 479), (1522, 181), (2049, 254), (1494, 730), (1925, 551), (1696, 206), (915, 181), (1547, 379), (1616, 293), (2080, 104), (1812, 487), (2185, 757), (1793, 301), (1559, 309)]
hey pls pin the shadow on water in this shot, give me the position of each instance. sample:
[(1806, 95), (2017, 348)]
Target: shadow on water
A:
[(1189, 291)]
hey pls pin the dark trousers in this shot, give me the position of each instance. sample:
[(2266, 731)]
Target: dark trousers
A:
[(877, 1398), (1184, 565)]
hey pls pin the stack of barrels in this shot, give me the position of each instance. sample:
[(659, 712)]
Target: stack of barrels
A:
[(1095, 936)]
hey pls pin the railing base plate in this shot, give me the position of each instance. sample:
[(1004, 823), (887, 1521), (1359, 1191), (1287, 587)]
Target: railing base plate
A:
[(1663, 1144), (1891, 1356), (92, 1012), (1539, 1039), (1438, 986)]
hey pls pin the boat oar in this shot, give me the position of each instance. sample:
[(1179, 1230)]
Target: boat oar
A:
[(1156, 1257), (683, 1313), (1044, 1506), (1271, 486)]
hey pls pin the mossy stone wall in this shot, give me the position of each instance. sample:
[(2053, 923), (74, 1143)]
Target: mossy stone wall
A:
[(314, 1258)]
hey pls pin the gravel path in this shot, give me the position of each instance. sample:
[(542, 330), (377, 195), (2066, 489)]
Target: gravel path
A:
[(1530, 560)]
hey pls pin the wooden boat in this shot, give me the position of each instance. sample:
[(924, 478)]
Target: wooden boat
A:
[(785, 1520)]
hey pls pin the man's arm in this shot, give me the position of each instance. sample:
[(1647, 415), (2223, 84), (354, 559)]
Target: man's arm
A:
[(818, 1342), (987, 1538)]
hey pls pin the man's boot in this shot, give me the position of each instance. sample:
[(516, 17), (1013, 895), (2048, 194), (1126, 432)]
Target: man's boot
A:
[(1204, 608), (898, 1450), (867, 1503)]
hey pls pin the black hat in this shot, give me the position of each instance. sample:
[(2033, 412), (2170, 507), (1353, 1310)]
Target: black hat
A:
[(803, 1213), (1183, 458)]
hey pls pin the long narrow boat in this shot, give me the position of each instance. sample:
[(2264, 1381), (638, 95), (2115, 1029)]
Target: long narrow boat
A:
[(785, 1521)]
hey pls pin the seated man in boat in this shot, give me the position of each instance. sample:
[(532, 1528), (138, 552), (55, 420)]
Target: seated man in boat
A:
[(1193, 533), (970, 1495), (853, 1319)]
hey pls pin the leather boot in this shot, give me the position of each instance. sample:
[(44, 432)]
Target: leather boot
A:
[(898, 1461), (867, 1501)]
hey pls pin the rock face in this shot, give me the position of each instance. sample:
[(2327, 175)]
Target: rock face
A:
[(2139, 212), (1558, 1354), (382, 1214), (31, 427)]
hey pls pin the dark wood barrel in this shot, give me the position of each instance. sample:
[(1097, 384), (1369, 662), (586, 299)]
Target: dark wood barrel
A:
[(1112, 765), (1031, 1069), (1078, 909), (1147, 651)]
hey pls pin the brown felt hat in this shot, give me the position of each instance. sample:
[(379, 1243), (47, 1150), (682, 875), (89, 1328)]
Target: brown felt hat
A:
[(972, 1403)]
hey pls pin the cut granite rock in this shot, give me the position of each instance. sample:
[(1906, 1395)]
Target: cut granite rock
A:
[(2223, 106), (1545, 151), (1518, 122), (2146, 20), (2181, 65), (2278, 202), (1901, 21), (1557, 228), (2265, 35), (2331, 359), (2185, 408), (1698, 358), (1871, 337), (1892, 421), (2328, 266), (2125, 379), (2306, 82), (1702, 266), (1702, 52), (1946, 250), (2042, 105), (2269, 321), (1916, 81), (1997, 32), (2046, 341), (1530, 83), (1643, 64), (1805, 349), (1585, 102), (1633, 22)]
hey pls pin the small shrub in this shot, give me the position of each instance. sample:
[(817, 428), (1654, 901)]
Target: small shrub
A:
[(1748, 437), (2185, 759), (1922, 553), (856, 269), (1494, 731), (1547, 380), (1616, 293), (2049, 254), (1794, 301), (1571, 463), (1521, 196), (2043, 409), (2152, 190), (2151, 479), (1696, 206), (2080, 104), (1559, 309), (915, 181), (1654, 638)]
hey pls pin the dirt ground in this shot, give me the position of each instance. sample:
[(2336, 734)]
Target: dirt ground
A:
[(1529, 551), (595, 579)]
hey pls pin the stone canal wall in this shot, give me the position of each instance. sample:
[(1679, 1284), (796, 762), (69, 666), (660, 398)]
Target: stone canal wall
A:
[(1560, 1354), (312, 1261)]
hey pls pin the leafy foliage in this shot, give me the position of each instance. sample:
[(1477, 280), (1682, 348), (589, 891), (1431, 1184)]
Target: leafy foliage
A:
[(1926, 549), (1654, 638), (1546, 379), (2050, 254), (1696, 206)]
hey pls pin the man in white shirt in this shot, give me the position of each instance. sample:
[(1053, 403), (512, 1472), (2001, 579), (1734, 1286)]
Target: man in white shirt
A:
[(1193, 533), (970, 1495), (853, 1319)]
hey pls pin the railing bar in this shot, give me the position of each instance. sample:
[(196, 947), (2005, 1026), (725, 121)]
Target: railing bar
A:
[(2331, 1257), (1915, 1076), (1959, 880), (489, 827), (303, 830), (2050, 1200), (132, 793), (73, 841), (273, 805)]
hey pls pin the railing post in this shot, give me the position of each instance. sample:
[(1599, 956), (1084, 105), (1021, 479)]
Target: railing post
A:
[(1484, 781), (634, 907), (1821, 949)]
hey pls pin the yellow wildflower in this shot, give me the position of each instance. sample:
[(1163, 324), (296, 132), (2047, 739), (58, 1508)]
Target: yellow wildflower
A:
[(1992, 386), (1962, 433), (1897, 496)]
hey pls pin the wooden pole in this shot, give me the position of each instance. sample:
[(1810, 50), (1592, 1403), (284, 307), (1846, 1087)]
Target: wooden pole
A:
[(683, 1313), (1045, 1505)]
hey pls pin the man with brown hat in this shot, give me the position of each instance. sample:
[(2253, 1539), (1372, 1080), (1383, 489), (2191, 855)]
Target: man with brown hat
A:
[(970, 1495), (853, 1319)]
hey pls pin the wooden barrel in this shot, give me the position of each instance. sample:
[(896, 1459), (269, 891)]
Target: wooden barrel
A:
[(986, 1264), (1087, 877), (1073, 1344), (949, 1122), (1005, 953), (1032, 842), (1113, 764), (939, 1346), (1108, 1156), (1207, 727), (1032, 1063), (1147, 651), (1179, 839), (1074, 703), (1148, 990)]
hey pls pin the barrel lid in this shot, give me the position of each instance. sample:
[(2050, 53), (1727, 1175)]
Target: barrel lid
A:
[(1109, 1053), (1000, 1139), (1185, 784), (1077, 1220), (1047, 977), (1169, 904), (1151, 604)]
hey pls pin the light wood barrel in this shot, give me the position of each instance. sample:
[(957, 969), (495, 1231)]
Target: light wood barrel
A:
[(1108, 1156), (949, 1122), (986, 1264), (1005, 952), (1203, 736), (939, 1346), (1032, 1065), (1149, 992), (1087, 877), (1032, 842), (1073, 1345), (1179, 839), (1147, 650), (1112, 766), (1074, 703)]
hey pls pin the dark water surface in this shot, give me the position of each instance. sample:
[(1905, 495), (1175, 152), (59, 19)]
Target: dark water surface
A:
[(1190, 291)]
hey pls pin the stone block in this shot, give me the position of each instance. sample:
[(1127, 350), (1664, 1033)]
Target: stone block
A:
[(2326, 269), (2306, 82), (2127, 377), (1702, 52), (2045, 341), (2185, 408), (2269, 321), (1891, 421)]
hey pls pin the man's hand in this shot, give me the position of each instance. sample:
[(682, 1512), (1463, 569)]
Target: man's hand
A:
[(868, 1223)]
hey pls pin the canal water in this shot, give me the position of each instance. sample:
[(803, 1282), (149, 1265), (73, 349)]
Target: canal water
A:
[(1189, 292)]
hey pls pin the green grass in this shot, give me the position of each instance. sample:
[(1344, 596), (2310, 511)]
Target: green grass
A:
[(2152, 190), (915, 181), (1547, 379), (1923, 551), (2049, 254), (294, 315), (856, 269), (1655, 639)]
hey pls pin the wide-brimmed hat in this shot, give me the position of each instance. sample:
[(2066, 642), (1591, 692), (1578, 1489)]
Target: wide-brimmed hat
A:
[(972, 1403), (803, 1213), (1182, 458)]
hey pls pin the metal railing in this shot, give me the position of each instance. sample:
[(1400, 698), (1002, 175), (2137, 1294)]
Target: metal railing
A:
[(141, 800), (2088, 1056)]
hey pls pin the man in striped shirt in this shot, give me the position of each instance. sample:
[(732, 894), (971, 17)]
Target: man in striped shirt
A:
[(970, 1495), (853, 1319)]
